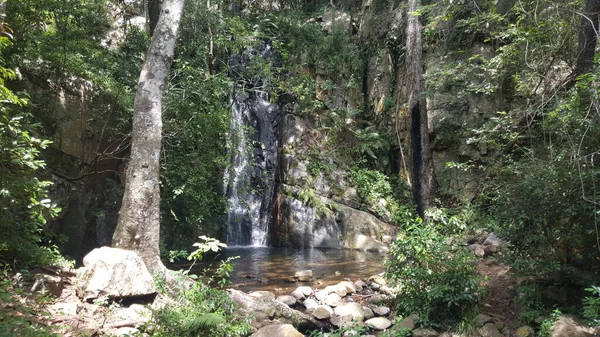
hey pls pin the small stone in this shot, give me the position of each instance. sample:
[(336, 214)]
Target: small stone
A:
[(287, 299), (304, 275), (305, 290), (424, 333), (525, 331), (338, 273), (490, 330), (375, 286), (310, 304), (379, 323), (387, 239), (322, 312), (368, 312), (286, 330), (333, 300), (381, 311), (482, 319)]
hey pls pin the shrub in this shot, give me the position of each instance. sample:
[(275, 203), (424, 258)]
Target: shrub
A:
[(436, 278)]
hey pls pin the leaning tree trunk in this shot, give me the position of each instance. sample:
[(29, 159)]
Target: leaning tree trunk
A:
[(152, 14), (138, 227), (423, 179)]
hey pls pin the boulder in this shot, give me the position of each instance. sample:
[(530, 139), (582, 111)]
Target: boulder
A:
[(304, 275), (378, 279), (368, 312), (49, 283), (409, 322), (265, 311), (339, 289), (263, 294), (350, 288), (567, 326), (134, 315), (321, 295), (273, 330), (351, 309), (359, 285), (113, 272), (379, 323), (298, 295), (482, 319), (477, 249), (287, 300), (489, 330), (322, 312)]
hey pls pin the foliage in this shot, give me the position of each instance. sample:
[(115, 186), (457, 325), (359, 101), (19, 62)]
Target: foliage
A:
[(591, 305), (201, 309), (23, 196), (344, 331), (19, 317), (436, 278)]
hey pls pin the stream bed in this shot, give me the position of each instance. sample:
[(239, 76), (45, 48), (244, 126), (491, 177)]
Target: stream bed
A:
[(269, 268)]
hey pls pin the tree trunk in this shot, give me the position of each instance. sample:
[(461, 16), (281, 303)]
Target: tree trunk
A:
[(138, 227), (588, 38), (423, 179)]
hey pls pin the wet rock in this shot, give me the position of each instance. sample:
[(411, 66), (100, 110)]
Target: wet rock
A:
[(49, 283), (310, 304), (115, 273), (287, 300), (482, 319), (333, 300), (381, 311), (525, 331), (350, 309), (322, 312), (304, 275), (490, 330), (379, 323), (273, 330), (425, 333), (368, 312)]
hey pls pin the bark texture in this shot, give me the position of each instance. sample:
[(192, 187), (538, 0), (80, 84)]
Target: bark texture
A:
[(138, 227), (423, 179)]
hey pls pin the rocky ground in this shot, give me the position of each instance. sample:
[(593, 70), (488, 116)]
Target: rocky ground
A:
[(77, 303)]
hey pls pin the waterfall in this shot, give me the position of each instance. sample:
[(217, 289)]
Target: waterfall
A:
[(250, 182)]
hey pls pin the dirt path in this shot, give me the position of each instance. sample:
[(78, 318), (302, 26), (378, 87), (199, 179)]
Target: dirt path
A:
[(499, 301)]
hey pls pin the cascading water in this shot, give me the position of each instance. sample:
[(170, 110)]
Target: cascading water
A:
[(250, 182)]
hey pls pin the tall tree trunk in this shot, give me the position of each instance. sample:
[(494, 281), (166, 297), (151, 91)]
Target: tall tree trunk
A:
[(423, 179), (138, 227), (588, 38)]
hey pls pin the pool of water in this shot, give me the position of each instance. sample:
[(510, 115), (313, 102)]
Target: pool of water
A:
[(268, 268)]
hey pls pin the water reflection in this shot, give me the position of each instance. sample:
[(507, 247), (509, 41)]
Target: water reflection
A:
[(268, 268)]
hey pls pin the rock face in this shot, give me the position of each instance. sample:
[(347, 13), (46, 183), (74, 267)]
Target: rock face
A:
[(567, 326), (113, 272)]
